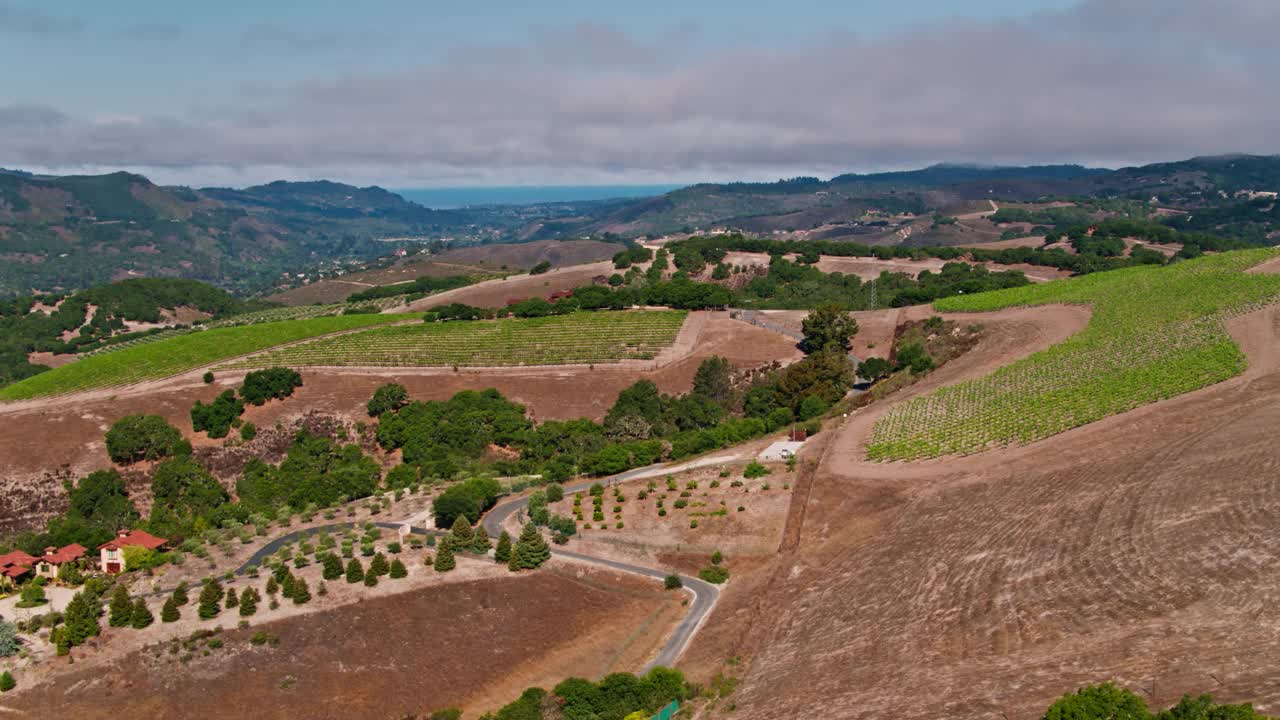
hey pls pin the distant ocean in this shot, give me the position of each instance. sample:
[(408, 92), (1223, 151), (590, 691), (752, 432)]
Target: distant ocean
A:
[(448, 198)]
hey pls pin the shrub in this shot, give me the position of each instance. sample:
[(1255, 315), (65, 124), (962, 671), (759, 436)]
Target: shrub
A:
[(7, 682), (714, 574), (142, 437), (387, 398), (8, 639), (754, 470), (248, 431), (272, 383), (208, 378), (540, 268), (262, 637), (672, 582)]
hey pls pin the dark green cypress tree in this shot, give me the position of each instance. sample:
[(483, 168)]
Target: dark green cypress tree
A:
[(444, 558), (532, 550), (301, 593), (462, 531), (141, 616), (378, 566), (332, 567), (180, 594), (169, 613), (480, 541), (80, 619), (232, 600), (210, 599), (398, 570), (370, 580), (248, 602), (502, 553), (355, 571), (121, 607)]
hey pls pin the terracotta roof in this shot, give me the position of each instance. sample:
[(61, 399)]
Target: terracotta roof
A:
[(68, 553), (133, 537), (17, 557), (14, 571)]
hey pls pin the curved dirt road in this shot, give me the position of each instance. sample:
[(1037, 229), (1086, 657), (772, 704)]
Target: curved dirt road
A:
[(704, 594)]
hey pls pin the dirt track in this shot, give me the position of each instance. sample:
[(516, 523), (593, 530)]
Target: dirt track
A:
[(1142, 548)]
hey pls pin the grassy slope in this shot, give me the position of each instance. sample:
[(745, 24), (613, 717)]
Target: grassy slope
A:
[(176, 355), (587, 337), (1155, 333)]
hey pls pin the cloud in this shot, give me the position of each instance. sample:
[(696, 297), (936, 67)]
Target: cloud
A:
[(157, 33), (1106, 82), (20, 19), (273, 38)]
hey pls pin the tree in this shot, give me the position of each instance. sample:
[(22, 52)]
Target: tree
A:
[(98, 507), (121, 607), (180, 594), (301, 593), (80, 619), (672, 582), (248, 602), (480, 542), (217, 417), (232, 599), (531, 550), (828, 327), (332, 567), (208, 378), (378, 566), (210, 599), (7, 682), (169, 613), (874, 368), (355, 571), (912, 355), (444, 557), (540, 268), (462, 532), (398, 570), (184, 497), (141, 617), (1103, 702), (714, 381), (387, 398), (370, 580), (272, 383), (273, 586), (141, 437), (555, 492), (8, 639), (503, 552)]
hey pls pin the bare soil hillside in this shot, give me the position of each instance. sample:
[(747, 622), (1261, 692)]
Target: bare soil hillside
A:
[(1141, 549)]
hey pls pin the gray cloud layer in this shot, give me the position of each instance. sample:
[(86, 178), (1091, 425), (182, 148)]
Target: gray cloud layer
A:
[(31, 20), (1109, 81)]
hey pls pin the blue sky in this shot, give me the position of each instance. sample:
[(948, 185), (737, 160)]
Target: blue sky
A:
[(572, 92)]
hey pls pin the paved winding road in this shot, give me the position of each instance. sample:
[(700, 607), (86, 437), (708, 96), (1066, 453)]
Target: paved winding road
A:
[(704, 593)]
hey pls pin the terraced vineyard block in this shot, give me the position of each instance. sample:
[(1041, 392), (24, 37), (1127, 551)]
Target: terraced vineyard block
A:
[(585, 337), (1155, 333)]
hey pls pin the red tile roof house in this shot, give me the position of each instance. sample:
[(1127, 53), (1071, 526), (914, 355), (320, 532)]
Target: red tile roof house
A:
[(54, 558), (113, 551), (13, 566)]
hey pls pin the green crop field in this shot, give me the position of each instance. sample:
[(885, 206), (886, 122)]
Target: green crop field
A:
[(585, 337), (163, 358), (1155, 333)]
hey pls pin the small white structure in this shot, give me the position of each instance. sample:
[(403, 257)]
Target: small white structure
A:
[(781, 450)]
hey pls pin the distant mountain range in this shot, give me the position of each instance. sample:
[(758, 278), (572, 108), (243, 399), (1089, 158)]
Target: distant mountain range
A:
[(77, 231)]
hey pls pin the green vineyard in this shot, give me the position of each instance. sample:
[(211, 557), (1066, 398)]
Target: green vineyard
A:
[(585, 337), (174, 355), (1155, 333)]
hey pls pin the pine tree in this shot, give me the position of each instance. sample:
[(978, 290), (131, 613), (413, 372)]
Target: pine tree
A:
[(273, 587), (180, 594), (7, 682), (141, 617), (379, 565), (398, 570), (80, 620), (370, 580), (62, 645), (169, 613), (355, 571), (210, 599), (248, 602), (502, 553), (480, 542), (301, 593), (444, 557), (532, 550), (513, 563), (332, 567), (288, 586), (232, 600), (462, 531), (121, 607)]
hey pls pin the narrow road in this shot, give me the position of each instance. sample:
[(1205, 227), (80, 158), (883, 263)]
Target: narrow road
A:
[(704, 594)]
